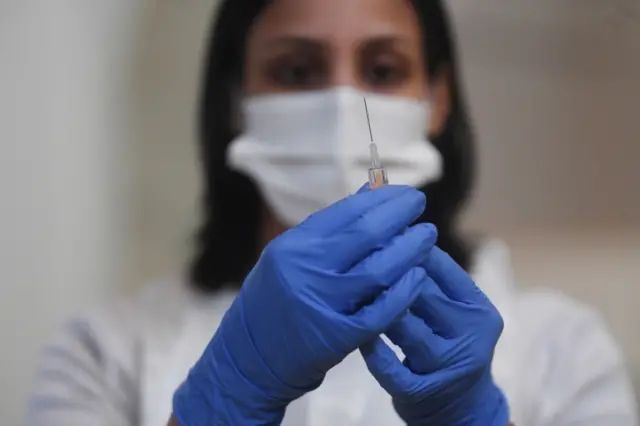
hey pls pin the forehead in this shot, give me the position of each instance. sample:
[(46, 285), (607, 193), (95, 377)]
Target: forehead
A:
[(338, 20)]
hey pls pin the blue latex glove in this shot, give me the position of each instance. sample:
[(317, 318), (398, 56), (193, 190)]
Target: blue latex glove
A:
[(448, 338), (317, 293)]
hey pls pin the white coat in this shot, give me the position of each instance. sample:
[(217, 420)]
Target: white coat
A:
[(120, 364)]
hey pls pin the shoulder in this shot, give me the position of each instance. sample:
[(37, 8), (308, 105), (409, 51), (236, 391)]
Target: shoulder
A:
[(92, 363), (547, 310), (117, 334), (121, 326), (558, 328), (109, 339), (118, 323), (107, 333), (561, 361), (553, 321), (546, 318), (581, 370)]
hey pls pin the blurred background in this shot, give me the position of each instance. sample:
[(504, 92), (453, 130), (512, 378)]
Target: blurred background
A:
[(99, 177)]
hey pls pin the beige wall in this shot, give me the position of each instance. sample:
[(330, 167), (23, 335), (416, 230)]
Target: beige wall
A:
[(555, 102)]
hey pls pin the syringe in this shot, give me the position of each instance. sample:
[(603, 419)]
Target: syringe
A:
[(377, 173)]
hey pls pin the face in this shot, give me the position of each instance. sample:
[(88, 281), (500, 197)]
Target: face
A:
[(373, 45)]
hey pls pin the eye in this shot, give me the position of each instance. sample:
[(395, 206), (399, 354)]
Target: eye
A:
[(382, 74), (385, 71), (296, 73)]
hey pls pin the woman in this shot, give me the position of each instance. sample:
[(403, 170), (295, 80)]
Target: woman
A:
[(283, 136)]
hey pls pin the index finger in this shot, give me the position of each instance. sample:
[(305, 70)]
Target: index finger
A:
[(348, 210), (375, 229)]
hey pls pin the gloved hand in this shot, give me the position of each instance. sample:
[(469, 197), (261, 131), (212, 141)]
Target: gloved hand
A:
[(448, 338), (318, 292)]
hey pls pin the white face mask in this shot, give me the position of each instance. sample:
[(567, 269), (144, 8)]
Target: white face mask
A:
[(307, 150)]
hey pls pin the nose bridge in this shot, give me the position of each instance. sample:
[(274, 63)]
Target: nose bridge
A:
[(344, 70)]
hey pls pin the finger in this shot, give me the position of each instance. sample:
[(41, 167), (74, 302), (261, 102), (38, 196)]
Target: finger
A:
[(386, 368), (384, 267), (390, 305), (450, 318), (368, 279), (391, 261), (349, 210), (446, 317), (374, 229), (454, 281), (418, 342)]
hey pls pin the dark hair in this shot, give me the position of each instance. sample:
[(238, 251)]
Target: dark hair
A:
[(232, 204)]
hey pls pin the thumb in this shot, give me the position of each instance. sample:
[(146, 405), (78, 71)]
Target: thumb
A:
[(385, 367)]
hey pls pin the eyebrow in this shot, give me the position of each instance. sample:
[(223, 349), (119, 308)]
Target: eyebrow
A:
[(384, 41), (298, 42), (316, 46)]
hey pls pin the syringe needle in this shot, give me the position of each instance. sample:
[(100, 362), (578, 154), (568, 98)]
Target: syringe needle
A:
[(373, 150), (368, 119)]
